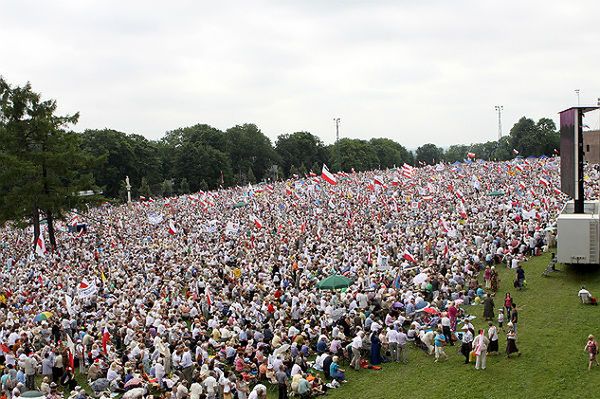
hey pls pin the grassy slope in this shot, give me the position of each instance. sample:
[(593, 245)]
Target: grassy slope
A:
[(553, 329)]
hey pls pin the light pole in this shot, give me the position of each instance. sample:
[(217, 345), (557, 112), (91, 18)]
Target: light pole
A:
[(577, 92), (337, 128), (499, 109)]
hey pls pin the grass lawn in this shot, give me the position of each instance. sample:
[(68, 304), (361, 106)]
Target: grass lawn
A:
[(553, 328)]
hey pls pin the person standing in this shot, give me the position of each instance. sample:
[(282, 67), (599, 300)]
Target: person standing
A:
[(511, 343), (375, 349), (488, 308), (439, 342), (446, 328), (392, 338), (466, 346), (282, 382), (591, 347), (508, 305), (480, 344), (493, 337), (514, 317), (402, 349), (356, 346), (520, 274)]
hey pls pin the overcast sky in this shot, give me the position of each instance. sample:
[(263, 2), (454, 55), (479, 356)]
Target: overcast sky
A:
[(414, 71)]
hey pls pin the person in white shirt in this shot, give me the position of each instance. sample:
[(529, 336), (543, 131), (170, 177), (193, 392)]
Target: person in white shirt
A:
[(210, 383), (392, 338), (357, 344), (584, 295), (259, 392)]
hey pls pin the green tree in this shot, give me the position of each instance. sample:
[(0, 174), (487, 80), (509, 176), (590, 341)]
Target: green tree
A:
[(430, 154), (300, 148), (248, 147), (122, 155), (41, 167), (390, 153), (144, 189), (167, 187), (355, 154), (250, 176), (184, 186)]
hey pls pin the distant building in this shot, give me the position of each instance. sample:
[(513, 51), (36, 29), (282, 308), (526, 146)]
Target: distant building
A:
[(591, 146)]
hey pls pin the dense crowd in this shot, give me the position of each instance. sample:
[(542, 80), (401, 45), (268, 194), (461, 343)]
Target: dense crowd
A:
[(214, 295)]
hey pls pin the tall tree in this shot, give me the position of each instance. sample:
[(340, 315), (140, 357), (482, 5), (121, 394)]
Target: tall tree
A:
[(248, 147), (390, 153), (41, 163), (300, 148), (429, 153), (347, 154)]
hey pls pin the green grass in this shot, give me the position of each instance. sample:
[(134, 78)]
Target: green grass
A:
[(553, 328)]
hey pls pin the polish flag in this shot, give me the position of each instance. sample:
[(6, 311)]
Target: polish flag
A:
[(151, 199), (312, 174), (519, 168), (328, 176), (105, 339), (142, 198), (288, 191), (257, 222), (462, 211), (208, 297), (395, 182), (408, 256), (172, 228), (378, 180), (303, 227), (544, 182), (445, 226), (522, 185), (471, 155), (40, 246), (74, 221), (556, 191)]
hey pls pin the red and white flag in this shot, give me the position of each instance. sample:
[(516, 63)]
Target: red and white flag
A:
[(471, 155), (544, 182), (408, 256), (328, 176), (74, 221), (257, 222), (105, 339), (172, 228), (556, 191), (40, 246), (378, 180), (522, 185)]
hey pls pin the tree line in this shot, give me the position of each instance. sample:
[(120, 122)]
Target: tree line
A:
[(45, 165)]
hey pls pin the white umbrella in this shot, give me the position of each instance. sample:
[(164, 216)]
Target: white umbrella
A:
[(419, 278)]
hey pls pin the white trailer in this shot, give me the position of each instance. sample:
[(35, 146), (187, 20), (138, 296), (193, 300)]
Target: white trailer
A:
[(578, 234)]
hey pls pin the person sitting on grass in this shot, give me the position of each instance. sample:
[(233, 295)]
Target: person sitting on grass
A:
[(336, 372), (586, 297)]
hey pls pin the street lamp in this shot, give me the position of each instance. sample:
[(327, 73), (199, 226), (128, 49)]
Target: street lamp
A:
[(499, 109)]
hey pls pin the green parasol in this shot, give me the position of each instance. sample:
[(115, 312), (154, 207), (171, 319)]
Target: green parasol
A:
[(333, 282), (240, 204), (497, 193)]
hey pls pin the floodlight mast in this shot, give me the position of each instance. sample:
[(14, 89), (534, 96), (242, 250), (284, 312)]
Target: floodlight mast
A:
[(499, 109), (337, 129)]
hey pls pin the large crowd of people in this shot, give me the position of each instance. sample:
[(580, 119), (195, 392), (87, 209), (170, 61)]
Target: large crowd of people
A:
[(214, 295)]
